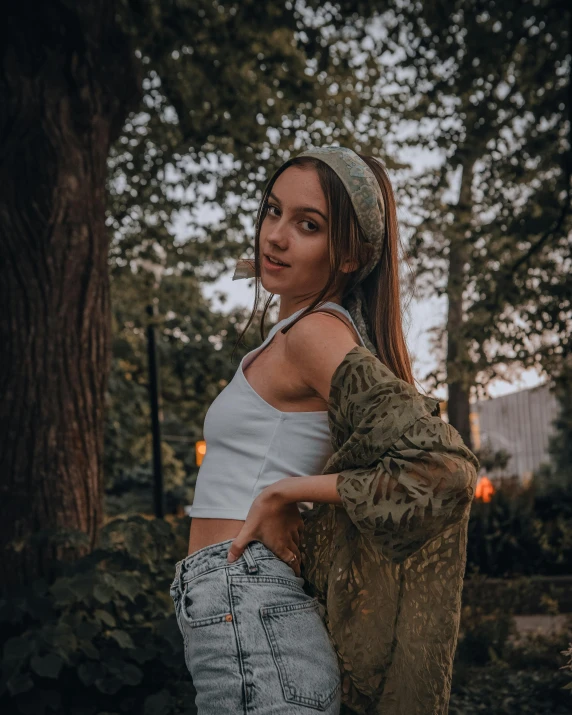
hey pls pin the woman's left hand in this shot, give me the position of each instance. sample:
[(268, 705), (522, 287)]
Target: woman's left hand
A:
[(276, 524)]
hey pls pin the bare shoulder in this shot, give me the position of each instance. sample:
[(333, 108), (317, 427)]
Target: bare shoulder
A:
[(317, 344)]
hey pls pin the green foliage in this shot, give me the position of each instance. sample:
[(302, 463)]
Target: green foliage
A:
[(102, 637), (568, 665), (194, 345), (523, 595), (484, 634), (557, 474), (486, 85), (499, 690), (521, 533), (491, 459), (499, 673)]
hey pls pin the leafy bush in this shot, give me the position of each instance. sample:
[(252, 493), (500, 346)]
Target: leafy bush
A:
[(102, 638), (522, 594), (568, 665), (499, 690), (525, 532), (530, 678), (483, 636)]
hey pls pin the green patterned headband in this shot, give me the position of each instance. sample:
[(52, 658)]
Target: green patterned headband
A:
[(367, 200)]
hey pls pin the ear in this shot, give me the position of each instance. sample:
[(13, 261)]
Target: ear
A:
[(349, 266)]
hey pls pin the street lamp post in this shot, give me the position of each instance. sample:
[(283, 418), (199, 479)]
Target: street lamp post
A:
[(154, 392)]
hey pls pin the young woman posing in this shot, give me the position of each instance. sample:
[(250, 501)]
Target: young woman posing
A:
[(255, 640)]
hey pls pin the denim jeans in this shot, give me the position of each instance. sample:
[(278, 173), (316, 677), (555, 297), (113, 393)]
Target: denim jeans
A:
[(255, 642)]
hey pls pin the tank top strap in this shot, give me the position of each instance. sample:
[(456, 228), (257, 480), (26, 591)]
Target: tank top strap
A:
[(285, 321), (328, 304)]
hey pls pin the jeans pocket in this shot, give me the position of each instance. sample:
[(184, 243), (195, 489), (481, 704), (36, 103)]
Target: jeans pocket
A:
[(204, 603), (206, 624), (304, 656)]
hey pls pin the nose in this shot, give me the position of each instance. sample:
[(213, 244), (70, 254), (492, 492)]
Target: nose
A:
[(277, 233)]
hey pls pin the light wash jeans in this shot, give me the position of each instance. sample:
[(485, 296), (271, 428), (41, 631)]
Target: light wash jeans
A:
[(255, 642)]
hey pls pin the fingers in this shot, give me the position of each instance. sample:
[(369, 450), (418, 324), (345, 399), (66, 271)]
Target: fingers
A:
[(238, 546), (296, 552), (293, 551), (296, 533)]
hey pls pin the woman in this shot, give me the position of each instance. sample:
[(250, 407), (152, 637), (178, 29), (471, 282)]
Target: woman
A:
[(258, 637)]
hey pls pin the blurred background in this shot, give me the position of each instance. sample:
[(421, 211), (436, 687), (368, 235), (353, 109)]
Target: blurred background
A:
[(136, 138)]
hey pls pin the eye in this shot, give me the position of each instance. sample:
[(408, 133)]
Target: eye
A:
[(272, 210), (311, 226)]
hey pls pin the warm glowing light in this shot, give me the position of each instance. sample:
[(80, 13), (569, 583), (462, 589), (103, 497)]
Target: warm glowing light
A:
[(200, 451), (485, 489)]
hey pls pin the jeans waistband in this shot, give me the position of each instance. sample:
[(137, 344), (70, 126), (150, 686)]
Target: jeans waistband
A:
[(215, 556)]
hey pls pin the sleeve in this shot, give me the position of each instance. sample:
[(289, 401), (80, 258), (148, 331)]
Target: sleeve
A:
[(421, 485)]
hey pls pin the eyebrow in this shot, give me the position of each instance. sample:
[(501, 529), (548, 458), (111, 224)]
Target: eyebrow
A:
[(307, 209)]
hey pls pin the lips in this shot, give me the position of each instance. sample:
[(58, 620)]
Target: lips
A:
[(276, 259)]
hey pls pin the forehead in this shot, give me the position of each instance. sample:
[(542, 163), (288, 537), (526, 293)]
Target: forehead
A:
[(300, 187)]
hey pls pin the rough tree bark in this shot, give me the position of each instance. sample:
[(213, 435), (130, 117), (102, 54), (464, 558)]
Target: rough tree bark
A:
[(459, 378), (67, 81)]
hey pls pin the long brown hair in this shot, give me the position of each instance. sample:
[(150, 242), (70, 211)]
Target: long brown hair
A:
[(345, 240)]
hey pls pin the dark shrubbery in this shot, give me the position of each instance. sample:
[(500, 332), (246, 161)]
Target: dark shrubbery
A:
[(521, 532), (528, 676), (102, 638)]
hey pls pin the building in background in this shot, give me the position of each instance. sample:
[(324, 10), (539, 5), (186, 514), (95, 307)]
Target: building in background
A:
[(521, 424)]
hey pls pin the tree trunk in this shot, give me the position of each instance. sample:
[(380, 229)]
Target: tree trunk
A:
[(67, 82), (459, 374)]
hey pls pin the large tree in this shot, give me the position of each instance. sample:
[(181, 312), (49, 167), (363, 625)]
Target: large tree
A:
[(179, 90), (487, 87)]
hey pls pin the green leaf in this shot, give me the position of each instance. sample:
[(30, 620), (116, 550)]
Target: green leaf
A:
[(87, 630), (110, 684), (89, 649), (60, 638), (82, 585), (53, 699), (62, 592), (103, 593), (105, 617), (122, 638), (47, 666), (158, 703), (88, 673), (17, 648), (131, 674), (128, 586), (20, 683)]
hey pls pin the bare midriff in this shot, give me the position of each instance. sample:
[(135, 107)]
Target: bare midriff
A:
[(273, 380), (205, 532)]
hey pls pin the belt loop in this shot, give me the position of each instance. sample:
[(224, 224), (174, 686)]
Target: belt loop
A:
[(179, 575), (251, 565)]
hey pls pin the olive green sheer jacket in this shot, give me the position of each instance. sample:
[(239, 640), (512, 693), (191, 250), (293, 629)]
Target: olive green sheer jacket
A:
[(388, 565)]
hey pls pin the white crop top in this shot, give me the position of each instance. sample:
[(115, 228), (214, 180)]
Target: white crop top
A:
[(251, 444)]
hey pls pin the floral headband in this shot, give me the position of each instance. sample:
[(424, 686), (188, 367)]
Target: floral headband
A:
[(367, 200)]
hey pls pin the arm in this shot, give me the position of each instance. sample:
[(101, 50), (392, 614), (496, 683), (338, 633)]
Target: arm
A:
[(319, 488), (408, 497), (421, 486)]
